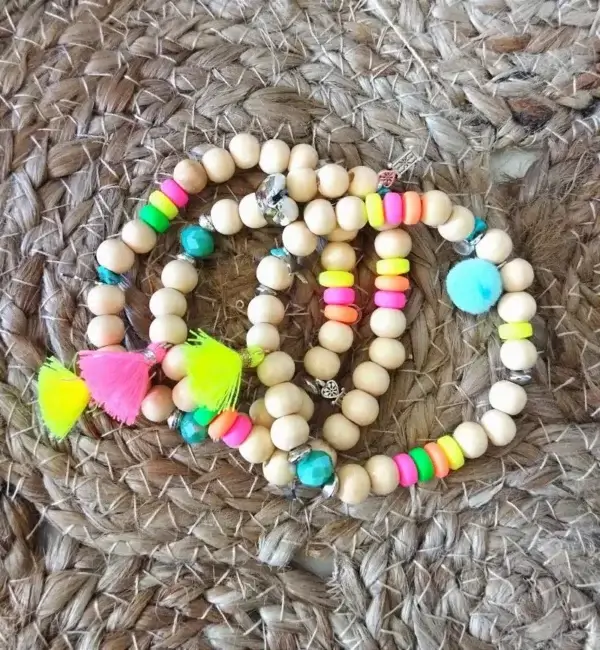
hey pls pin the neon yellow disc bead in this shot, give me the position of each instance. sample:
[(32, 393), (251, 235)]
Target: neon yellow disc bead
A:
[(375, 213), (163, 203), (515, 331), (393, 266), (336, 279), (452, 452)]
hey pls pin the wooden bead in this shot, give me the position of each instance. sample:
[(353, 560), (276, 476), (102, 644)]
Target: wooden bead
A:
[(174, 364), (388, 353), (518, 355), (459, 226), (274, 156), (436, 208), (274, 273), (259, 414), (218, 164), (278, 470), (321, 363), (393, 243), (105, 330), (158, 404), (363, 181), (307, 408), (250, 213), (319, 217), (342, 235), (301, 184), (276, 368), (371, 378), (303, 156), (258, 446), (333, 181), (471, 438), (180, 275), (168, 301), (264, 336), (225, 217), (387, 323), (499, 427), (507, 397), (338, 256), (517, 307), (341, 433), (289, 431), (115, 255), (360, 407), (266, 309), (354, 484), (335, 336), (517, 275), (383, 474), (168, 329), (105, 299), (283, 399), (139, 236), (495, 246), (190, 175), (245, 150), (182, 396), (351, 213), (298, 239), (319, 445)]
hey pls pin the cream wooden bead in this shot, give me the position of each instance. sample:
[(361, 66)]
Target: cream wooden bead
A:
[(218, 164), (335, 336), (259, 414), (495, 246), (301, 184), (283, 399), (459, 226), (298, 239), (225, 217), (393, 243), (387, 323), (158, 404), (263, 335), (105, 330), (340, 432), (274, 156), (183, 397), (276, 368), (436, 208), (168, 301), (518, 355), (371, 378), (105, 299), (388, 353), (174, 364), (342, 235), (333, 181), (319, 216), (351, 213), (139, 236), (471, 438), (180, 275), (168, 329), (266, 309), (258, 446), (360, 407), (383, 474), (303, 156), (507, 397), (517, 307), (319, 445), (250, 214), (338, 256), (499, 427), (354, 484), (517, 275), (321, 363), (289, 431), (245, 150), (278, 470), (190, 175), (274, 273), (363, 181), (307, 409), (115, 255)]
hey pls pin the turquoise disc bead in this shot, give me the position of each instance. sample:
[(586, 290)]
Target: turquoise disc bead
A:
[(196, 241), (204, 416), (479, 228), (192, 432), (315, 469), (107, 276)]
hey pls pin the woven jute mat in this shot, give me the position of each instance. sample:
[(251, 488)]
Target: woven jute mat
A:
[(125, 537)]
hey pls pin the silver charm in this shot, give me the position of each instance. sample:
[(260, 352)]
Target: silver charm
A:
[(205, 221), (298, 453), (387, 178), (186, 258), (520, 377), (290, 261), (466, 247), (174, 420), (274, 203), (329, 490), (262, 290), (329, 390)]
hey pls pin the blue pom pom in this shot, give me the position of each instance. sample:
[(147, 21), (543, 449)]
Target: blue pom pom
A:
[(474, 285)]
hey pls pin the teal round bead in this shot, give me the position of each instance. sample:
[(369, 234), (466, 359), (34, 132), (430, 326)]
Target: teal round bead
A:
[(315, 469), (192, 432), (204, 416), (196, 241)]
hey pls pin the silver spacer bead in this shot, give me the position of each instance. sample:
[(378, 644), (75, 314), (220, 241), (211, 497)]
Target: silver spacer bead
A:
[(520, 377), (298, 453), (205, 221), (262, 290), (329, 490), (174, 420), (466, 247), (186, 258)]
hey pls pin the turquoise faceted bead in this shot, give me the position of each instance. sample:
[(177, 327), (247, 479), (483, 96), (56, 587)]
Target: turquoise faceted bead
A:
[(479, 228), (192, 432), (204, 416), (196, 241), (107, 276), (315, 469)]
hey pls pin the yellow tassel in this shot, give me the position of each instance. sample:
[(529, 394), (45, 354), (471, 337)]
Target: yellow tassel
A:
[(215, 371), (62, 397)]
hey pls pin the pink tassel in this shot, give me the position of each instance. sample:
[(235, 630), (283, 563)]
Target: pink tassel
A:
[(119, 381)]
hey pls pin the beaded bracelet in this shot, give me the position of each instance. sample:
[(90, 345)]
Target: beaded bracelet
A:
[(276, 431)]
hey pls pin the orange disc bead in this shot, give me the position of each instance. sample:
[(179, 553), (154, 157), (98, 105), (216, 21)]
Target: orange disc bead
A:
[(438, 458), (392, 282), (341, 313), (221, 424), (412, 208)]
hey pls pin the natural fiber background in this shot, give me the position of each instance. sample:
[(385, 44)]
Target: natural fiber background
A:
[(125, 538)]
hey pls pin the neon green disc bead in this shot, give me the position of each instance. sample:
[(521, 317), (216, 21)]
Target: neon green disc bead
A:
[(154, 218), (425, 468), (515, 331)]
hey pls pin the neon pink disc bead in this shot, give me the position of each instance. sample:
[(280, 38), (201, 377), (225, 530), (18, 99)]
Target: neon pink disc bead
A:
[(393, 208), (407, 470), (339, 296), (174, 191), (390, 299), (239, 431)]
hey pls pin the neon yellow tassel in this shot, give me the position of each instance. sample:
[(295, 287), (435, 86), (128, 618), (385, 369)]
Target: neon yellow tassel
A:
[(62, 397), (215, 371)]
